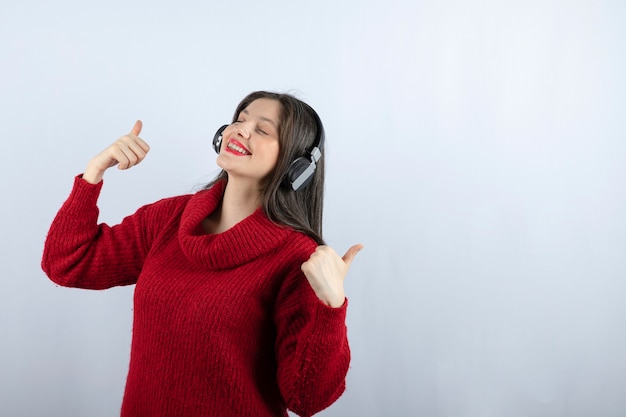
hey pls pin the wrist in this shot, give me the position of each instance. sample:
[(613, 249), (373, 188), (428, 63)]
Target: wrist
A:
[(93, 175), (335, 300)]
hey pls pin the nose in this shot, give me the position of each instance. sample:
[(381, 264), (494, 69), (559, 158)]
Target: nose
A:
[(242, 130)]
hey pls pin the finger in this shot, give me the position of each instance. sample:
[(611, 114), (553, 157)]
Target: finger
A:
[(122, 155), (131, 159), (139, 147), (136, 130), (143, 144), (351, 253), (127, 153), (135, 133)]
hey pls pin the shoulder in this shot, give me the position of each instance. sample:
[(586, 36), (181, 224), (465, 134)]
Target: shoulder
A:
[(169, 206), (179, 200), (298, 246)]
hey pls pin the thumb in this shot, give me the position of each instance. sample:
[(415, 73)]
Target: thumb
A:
[(136, 130), (351, 253)]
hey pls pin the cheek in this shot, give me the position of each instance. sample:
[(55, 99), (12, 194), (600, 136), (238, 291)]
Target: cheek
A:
[(273, 157), (270, 160)]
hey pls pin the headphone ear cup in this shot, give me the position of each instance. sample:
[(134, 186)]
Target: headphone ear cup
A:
[(300, 173), (217, 138)]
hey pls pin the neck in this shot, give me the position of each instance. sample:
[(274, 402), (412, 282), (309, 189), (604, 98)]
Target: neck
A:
[(239, 202)]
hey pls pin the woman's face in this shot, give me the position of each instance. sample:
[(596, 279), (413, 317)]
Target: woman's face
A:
[(250, 145)]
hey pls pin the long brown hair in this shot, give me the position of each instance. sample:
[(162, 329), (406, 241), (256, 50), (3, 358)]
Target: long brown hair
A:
[(298, 129)]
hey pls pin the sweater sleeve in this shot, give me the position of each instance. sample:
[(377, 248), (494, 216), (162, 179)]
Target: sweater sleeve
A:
[(79, 252), (312, 348)]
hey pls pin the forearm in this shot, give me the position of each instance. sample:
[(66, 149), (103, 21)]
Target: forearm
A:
[(314, 362), (80, 253)]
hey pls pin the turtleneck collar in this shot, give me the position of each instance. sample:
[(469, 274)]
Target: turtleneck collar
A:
[(247, 240)]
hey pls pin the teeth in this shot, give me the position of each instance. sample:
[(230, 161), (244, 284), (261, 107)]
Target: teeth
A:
[(237, 148)]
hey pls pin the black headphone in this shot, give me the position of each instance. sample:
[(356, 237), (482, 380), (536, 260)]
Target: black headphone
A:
[(301, 171), (217, 139)]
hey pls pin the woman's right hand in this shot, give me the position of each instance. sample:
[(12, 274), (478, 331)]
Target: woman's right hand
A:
[(126, 152)]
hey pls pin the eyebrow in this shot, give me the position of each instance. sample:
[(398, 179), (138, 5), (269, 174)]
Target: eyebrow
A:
[(265, 119)]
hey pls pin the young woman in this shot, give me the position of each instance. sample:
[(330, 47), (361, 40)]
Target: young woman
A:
[(239, 307)]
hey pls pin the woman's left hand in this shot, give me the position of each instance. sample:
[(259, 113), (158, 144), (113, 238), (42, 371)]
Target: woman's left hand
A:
[(325, 270)]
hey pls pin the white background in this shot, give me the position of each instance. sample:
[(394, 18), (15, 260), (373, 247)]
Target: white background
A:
[(475, 148)]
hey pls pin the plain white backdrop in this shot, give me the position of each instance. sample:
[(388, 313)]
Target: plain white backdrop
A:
[(475, 148)]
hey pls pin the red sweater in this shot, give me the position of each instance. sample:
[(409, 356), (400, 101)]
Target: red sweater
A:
[(224, 324)]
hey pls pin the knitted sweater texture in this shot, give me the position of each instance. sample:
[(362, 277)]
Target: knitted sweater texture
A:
[(224, 324)]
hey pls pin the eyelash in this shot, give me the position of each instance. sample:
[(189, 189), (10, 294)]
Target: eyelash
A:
[(258, 130)]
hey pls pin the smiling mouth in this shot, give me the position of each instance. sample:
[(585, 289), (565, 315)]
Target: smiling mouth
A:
[(237, 148)]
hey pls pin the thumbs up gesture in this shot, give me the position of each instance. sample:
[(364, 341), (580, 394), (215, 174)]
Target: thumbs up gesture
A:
[(326, 270), (126, 152)]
